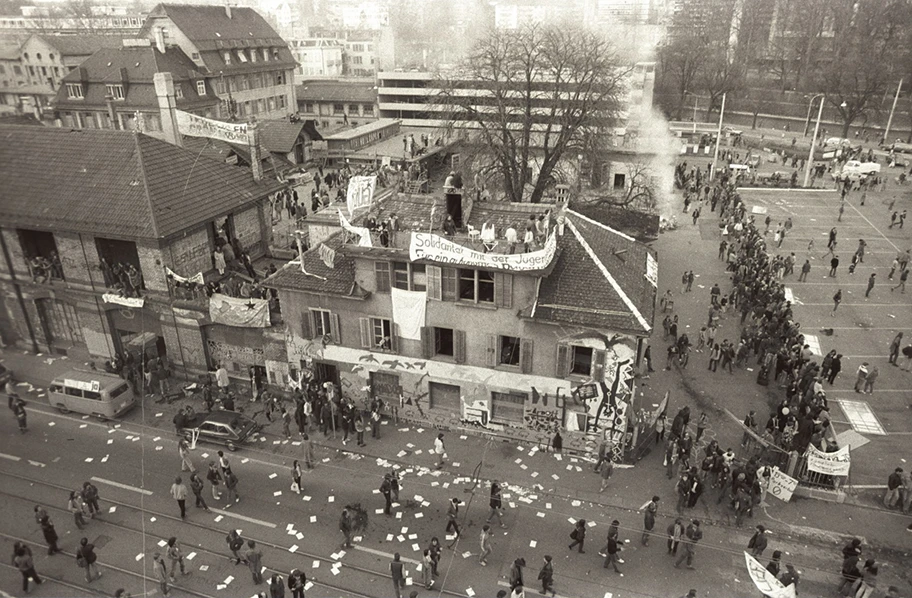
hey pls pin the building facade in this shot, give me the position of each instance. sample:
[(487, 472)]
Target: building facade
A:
[(317, 57), (108, 213), (246, 63), (468, 341), (339, 103)]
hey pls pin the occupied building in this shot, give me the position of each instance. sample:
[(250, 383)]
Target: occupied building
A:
[(336, 104), (93, 213), (114, 89), (249, 67), (456, 337)]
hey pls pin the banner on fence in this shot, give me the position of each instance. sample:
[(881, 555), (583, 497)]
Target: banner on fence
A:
[(781, 485), (829, 463), (766, 582)]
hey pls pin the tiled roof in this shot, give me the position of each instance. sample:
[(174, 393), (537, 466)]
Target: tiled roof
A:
[(140, 63), (81, 45), (279, 135), (579, 290), (211, 23), (337, 91), (114, 183), (339, 280)]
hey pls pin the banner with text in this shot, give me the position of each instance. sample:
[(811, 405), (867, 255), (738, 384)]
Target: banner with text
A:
[(197, 126), (428, 246), (360, 192), (781, 485), (829, 463), (766, 582), (234, 311)]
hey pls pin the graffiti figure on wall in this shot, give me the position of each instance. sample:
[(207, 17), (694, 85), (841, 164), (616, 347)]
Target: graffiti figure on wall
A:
[(475, 412)]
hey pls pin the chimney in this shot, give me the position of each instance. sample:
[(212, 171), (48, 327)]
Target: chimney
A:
[(164, 90), (159, 33), (228, 8), (253, 140)]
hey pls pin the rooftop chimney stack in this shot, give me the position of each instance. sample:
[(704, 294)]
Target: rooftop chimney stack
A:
[(159, 33), (256, 158), (167, 107)]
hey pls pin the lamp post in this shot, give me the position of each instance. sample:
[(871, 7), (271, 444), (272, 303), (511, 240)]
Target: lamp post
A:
[(712, 169), (810, 162), (807, 121), (892, 110), (694, 120)]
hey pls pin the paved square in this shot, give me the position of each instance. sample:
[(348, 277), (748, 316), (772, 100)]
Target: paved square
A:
[(861, 417)]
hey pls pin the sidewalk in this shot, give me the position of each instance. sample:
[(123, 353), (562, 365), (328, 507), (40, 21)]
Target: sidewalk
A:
[(530, 469)]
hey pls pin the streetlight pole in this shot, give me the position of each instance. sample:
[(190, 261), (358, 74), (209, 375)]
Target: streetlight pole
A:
[(712, 169), (886, 136), (807, 120), (695, 113), (810, 162)]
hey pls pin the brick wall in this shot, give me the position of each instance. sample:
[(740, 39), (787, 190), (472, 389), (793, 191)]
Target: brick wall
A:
[(95, 330), (73, 259), (191, 347), (15, 249), (249, 231), (152, 269), (191, 253)]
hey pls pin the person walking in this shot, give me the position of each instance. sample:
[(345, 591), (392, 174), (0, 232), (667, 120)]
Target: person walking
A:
[(359, 428), (805, 270), (224, 465), (758, 542), (578, 535), (860, 376), (611, 553), (606, 471), (546, 576), (75, 506), (903, 277), (895, 345), (215, 479), (869, 380), (649, 518), (386, 489), (452, 516), (179, 493), (485, 544), (427, 565), (516, 574), (235, 544), (871, 280), (296, 582), (398, 574), (834, 263), (254, 561), (496, 504), (161, 571), (345, 526), (87, 559), (231, 484), (196, 486), (692, 535), (176, 556), (25, 564), (90, 498), (276, 586), (21, 415), (307, 449), (184, 450), (894, 488), (50, 534), (837, 299), (440, 450)]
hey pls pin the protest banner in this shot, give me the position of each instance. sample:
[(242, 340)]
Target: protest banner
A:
[(836, 464), (431, 247)]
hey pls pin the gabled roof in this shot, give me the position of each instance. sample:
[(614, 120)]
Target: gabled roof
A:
[(337, 91), (279, 135), (599, 280), (80, 45), (114, 183), (211, 23)]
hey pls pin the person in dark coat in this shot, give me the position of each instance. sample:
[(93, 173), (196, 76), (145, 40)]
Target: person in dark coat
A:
[(516, 573), (546, 576), (50, 534), (578, 535)]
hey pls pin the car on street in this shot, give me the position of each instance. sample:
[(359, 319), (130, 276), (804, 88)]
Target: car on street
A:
[(855, 169), (228, 428)]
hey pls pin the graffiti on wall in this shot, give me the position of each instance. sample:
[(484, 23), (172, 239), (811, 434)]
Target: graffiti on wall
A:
[(222, 351), (475, 412)]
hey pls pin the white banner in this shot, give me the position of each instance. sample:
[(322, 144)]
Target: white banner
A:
[(766, 582), (197, 126), (829, 463), (409, 308), (360, 192), (652, 270), (196, 278), (125, 301), (781, 485), (238, 312), (364, 234), (428, 246)]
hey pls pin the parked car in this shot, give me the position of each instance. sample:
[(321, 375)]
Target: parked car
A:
[(227, 428), (855, 169)]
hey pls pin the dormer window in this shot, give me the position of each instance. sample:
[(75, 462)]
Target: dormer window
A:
[(265, 54), (74, 91), (253, 55), (115, 91), (227, 56), (200, 88), (178, 91), (242, 55)]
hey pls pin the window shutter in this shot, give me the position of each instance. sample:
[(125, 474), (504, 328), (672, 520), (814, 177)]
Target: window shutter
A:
[(394, 337), (306, 329), (427, 342), (335, 328), (491, 356), (563, 361), (448, 286), (525, 355), (459, 346), (434, 281), (366, 333), (597, 371), (503, 290), (382, 272)]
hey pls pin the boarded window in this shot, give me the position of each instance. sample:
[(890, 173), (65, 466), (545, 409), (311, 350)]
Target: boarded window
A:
[(507, 408), (444, 396)]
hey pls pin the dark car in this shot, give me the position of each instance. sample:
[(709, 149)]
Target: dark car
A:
[(229, 428)]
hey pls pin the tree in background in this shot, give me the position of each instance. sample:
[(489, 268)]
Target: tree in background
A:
[(541, 87)]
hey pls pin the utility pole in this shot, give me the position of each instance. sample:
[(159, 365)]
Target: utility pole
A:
[(886, 137), (712, 170), (810, 162)]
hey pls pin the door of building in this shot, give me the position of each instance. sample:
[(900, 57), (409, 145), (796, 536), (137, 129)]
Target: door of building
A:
[(326, 372)]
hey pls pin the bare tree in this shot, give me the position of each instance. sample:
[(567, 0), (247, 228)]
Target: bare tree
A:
[(530, 94), (639, 192), (680, 61)]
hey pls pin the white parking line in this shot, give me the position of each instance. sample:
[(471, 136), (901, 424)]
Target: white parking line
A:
[(10, 457), (388, 555), (122, 486), (242, 517)]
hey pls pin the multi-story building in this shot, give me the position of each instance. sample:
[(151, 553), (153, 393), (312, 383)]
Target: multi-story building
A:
[(99, 212), (114, 24), (455, 337), (317, 57), (335, 104), (246, 63), (365, 51), (14, 82), (114, 89)]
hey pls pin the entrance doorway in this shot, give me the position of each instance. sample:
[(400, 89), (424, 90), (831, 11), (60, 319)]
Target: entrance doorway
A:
[(326, 372)]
